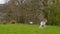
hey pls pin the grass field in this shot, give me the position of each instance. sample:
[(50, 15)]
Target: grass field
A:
[(27, 29)]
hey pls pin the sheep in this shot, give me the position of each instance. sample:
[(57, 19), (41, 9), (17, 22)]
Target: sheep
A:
[(31, 22), (43, 24)]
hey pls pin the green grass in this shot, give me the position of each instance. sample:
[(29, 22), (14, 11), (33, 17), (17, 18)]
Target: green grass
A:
[(27, 29)]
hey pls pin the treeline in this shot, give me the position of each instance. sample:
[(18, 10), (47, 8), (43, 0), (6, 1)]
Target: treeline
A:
[(54, 13), (24, 11)]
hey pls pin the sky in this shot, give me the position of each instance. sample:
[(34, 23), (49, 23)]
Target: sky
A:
[(3, 1)]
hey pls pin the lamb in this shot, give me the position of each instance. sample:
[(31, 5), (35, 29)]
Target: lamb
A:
[(43, 24)]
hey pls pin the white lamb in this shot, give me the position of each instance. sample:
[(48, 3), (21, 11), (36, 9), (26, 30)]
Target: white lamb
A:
[(42, 24)]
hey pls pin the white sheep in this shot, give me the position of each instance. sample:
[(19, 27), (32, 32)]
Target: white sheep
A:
[(43, 24), (31, 22)]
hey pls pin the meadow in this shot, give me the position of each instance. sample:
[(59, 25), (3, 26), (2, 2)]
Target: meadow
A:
[(28, 29)]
